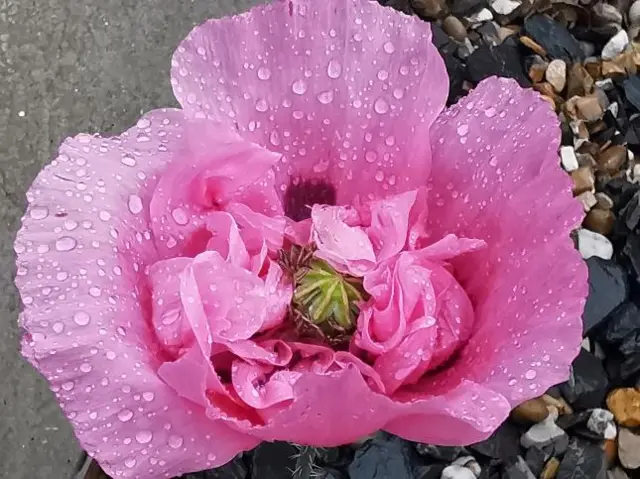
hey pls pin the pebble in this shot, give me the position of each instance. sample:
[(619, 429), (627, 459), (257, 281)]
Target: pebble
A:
[(483, 15), (607, 13), (629, 449), (601, 422), (531, 411), (557, 74), (600, 221), (583, 180), (587, 107), (591, 244), (559, 403), (568, 158), (588, 200), (617, 473), (457, 472), (612, 159), (544, 433), (610, 447), (634, 13), (429, 8), (505, 7), (624, 403), (615, 45), (454, 28), (550, 469), (604, 201)]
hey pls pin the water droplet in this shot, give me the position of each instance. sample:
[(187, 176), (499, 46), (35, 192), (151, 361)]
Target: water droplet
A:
[(390, 140), (58, 327), (264, 73), (39, 212), (175, 441), (68, 386), (334, 69), (463, 130), (148, 396), (383, 75), (130, 462), (81, 318), (95, 291), (135, 204), (389, 48), (530, 374), (261, 106), (381, 106), (299, 87), (371, 156), (85, 368), (125, 415), (325, 97), (144, 437), (379, 176), (490, 112), (180, 216), (104, 215), (128, 160), (65, 243), (274, 138)]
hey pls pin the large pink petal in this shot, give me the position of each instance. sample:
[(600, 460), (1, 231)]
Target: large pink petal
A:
[(82, 252), (497, 178), (346, 90)]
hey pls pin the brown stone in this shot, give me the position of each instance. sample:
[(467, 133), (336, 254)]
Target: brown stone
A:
[(579, 82), (594, 68), (537, 71), (530, 412), (624, 403), (584, 107), (583, 180), (560, 404), (612, 159), (600, 221), (550, 469), (454, 28), (587, 199), (429, 8), (610, 451), (579, 129), (556, 75), (613, 69), (586, 159), (529, 43)]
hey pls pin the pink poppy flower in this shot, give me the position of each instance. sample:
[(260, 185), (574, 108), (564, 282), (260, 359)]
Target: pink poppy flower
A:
[(311, 250)]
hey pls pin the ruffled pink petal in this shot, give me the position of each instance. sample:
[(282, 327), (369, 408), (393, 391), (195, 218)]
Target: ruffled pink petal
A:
[(214, 168), (350, 98), (225, 239), (82, 252), (499, 180), (260, 389)]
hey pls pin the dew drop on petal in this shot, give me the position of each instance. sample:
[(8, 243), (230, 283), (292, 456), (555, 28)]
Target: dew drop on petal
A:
[(299, 87), (135, 204), (128, 160), (130, 462), (65, 243), (125, 415), (264, 73), (104, 215), (530, 374), (325, 97), (381, 106), (334, 69), (175, 441), (148, 396), (144, 437), (261, 106), (81, 318), (58, 327), (85, 368), (389, 48), (370, 156), (95, 291), (39, 212), (180, 216)]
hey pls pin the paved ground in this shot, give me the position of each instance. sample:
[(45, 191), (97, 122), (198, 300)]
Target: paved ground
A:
[(68, 66)]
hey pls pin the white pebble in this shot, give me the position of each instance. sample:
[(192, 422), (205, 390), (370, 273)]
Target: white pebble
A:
[(615, 45), (483, 15), (634, 13), (470, 463), (592, 244), (504, 7), (568, 158), (457, 472), (542, 433)]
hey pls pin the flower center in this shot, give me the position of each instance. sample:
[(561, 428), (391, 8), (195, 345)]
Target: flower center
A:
[(301, 195), (325, 302)]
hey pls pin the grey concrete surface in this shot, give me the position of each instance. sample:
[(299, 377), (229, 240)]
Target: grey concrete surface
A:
[(68, 66)]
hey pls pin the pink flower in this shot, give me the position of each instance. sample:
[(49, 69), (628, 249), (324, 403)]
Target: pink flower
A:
[(432, 288)]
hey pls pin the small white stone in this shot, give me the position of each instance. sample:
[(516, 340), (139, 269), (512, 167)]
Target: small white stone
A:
[(615, 45), (556, 74), (568, 158), (470, 463), (542, 433), (588, 200), (613, 108), (483, 15), (634, 13), (505, 7), (611, 431), (629, 449), (457, 472), (606, 84), (591, 244)]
